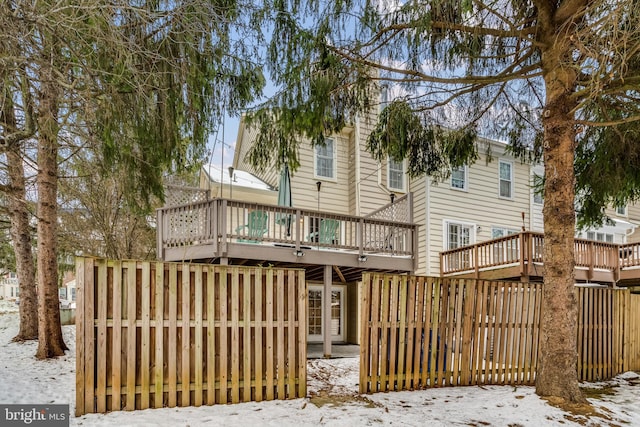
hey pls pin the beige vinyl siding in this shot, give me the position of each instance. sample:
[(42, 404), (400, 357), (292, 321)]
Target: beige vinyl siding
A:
[(633, 216), (352, 172), (419, 189), (479, 206), (372, 178), (334, 193)]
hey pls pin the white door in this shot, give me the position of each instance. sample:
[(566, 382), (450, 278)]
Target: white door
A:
[(316, 314)]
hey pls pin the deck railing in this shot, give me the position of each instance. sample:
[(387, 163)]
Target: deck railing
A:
[(219, 222), (526, 248)]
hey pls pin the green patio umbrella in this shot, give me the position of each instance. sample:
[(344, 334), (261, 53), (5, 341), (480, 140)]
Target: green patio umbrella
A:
[(284, 198)]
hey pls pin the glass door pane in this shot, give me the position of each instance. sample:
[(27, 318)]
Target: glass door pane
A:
[(337, 326), (315, 314)]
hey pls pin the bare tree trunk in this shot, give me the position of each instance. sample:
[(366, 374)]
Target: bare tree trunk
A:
[(50, 340), (21, 236), (557, 365), (20, 233)]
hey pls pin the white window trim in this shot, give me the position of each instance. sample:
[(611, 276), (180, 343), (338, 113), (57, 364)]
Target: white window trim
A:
[(466, 180), (625, 211), (335, 161), (534, 178), (343, 317), (404, 177), (510, 163), (508, 231), (445, 231), (594, 234)]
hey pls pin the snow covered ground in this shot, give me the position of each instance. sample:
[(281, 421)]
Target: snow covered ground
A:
[(333, 397)]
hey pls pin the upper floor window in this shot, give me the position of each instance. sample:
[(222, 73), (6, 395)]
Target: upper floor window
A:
[(325, 159), (506, 179), (395, 175), (459, 178), (537, 189), (621, 210)]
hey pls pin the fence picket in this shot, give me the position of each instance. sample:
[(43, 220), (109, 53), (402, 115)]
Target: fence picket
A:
[(101, 337), (131, 302), (158, 375), (145, 332)]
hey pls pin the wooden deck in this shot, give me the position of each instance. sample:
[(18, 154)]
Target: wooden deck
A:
[(519, 256), (218, 231)]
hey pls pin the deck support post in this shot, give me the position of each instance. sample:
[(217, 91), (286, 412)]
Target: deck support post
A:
[(326, 311)]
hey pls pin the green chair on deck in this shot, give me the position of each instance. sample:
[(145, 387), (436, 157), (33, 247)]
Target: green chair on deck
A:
[(327, 232), (254, 229)]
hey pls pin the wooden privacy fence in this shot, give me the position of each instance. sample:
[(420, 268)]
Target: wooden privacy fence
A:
[(422, 332), (153, 334)]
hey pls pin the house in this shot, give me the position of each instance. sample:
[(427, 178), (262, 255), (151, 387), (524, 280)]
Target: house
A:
[(348, 215), (236, 184), (9, 286), (487, 212), (67, 292)]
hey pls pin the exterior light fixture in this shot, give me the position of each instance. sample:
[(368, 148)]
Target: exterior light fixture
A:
[(231, 182)]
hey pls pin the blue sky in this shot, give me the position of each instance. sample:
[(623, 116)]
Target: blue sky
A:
[(227, 135)]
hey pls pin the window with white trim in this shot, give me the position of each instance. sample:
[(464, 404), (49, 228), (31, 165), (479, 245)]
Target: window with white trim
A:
[(621, 210), (459, 178), (537, 190), (395, 174), (599, 236), (325, 159), (506, 179), (458, 235), (497, 232)]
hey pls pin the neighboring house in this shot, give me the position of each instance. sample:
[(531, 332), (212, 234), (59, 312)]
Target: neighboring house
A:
[(9, 286), (236, 184), (67, 292)]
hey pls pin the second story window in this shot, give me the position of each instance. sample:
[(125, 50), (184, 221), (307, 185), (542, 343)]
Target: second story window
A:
[(621, 210), (506, 179), (325, 159), (537, 189), (459, 178), (395, 175)]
